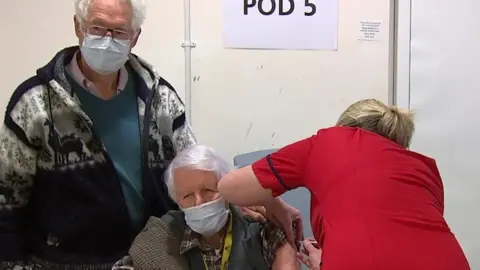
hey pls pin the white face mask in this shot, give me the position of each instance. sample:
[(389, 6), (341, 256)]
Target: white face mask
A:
[(103, 54), (207, 219)]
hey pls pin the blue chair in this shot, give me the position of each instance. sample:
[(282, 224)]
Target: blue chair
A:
[(298, 198)]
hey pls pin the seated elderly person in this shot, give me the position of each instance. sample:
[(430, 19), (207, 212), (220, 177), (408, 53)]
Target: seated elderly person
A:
[(208, 233)]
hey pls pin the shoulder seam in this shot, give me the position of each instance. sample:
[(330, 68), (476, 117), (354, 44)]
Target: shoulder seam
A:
[(9, 123), (164, 82), (22, 89)]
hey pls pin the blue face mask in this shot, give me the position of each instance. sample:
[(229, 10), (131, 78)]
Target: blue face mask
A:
[(207, 219), (103, 54)]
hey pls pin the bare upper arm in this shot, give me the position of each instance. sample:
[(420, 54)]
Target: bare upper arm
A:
[(269, 176), (241, 187), (286, 258)]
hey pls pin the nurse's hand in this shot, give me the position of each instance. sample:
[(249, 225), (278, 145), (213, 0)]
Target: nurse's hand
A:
[(310, 255), (286, 217)]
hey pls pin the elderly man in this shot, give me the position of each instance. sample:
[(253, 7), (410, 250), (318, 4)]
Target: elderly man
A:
[(84, 145), (208, 233)]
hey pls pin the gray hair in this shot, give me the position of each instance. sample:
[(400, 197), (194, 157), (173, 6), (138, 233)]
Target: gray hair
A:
[(139, 8), (197, 157)]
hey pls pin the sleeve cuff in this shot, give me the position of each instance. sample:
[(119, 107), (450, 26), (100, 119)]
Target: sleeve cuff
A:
[(275, 172), (269, 177)]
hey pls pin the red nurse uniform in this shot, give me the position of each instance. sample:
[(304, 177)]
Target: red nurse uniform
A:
[(374, 204)]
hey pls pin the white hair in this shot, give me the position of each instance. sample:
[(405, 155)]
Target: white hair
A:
[(139, 8), (197, 157)]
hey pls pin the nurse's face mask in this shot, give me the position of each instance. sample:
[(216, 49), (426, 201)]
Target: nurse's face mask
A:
[(106, 50)]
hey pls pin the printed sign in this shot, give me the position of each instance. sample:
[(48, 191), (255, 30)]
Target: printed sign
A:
[(281, 24)]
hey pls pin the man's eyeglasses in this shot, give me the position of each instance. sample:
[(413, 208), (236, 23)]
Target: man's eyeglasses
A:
[(99, 31)]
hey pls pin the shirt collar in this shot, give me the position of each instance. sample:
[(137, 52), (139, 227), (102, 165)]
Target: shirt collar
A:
[(74, 70), (190, 240)]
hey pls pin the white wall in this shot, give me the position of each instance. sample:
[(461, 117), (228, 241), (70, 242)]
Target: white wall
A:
[(441, 62), (246, 100)]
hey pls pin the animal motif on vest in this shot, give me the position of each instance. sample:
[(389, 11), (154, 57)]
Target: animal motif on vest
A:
[(68, 148), (160, 145)]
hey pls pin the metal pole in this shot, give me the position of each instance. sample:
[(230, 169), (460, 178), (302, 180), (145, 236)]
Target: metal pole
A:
[(187, 45)]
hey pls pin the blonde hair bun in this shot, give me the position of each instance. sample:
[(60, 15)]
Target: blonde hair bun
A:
[(391, 122), (400, 112)]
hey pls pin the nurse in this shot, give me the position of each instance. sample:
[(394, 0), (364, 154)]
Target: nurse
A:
[(374, 203)]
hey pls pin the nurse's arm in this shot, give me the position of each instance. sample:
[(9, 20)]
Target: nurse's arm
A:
[(269, 177), (241, 187)]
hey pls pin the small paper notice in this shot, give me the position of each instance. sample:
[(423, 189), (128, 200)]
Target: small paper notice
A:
[(370, 30)]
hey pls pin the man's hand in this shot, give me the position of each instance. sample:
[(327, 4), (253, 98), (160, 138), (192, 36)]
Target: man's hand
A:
[(257, 213), (260, 214), (310, 255), (284, 215)]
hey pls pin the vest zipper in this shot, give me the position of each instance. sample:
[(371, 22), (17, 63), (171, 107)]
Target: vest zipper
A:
[(144, 154)]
